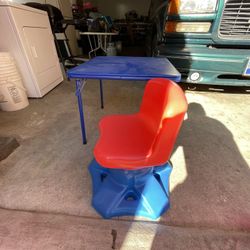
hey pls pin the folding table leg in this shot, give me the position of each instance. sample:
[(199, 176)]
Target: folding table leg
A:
[(79, 84), (101, 94)]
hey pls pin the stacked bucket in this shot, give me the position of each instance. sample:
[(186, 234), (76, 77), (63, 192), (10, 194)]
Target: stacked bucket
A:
[(12, 93)]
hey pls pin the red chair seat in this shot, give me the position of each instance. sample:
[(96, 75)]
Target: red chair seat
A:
[(146, 138), (124, 138)]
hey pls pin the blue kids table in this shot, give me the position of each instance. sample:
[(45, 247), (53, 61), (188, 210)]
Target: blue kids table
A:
[(119, 68)]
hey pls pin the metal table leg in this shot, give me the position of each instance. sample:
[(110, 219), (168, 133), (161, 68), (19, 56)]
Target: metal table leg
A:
[(101, 94), (79, 86)]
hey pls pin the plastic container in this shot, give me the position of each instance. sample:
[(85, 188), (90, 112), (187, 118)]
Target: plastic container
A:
[(111, 50), (12, 93), (12, 96), (118, 46)]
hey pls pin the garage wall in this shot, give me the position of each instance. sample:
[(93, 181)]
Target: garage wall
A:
[(113, 8), (118, 8), (25, 1)]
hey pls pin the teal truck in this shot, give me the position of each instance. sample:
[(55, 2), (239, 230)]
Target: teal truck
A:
[(208, 41)]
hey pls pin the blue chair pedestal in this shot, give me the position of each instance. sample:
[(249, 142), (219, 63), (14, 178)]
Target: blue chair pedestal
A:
[(118, 192)]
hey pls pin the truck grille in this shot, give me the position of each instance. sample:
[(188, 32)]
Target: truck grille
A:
[(235, 22)]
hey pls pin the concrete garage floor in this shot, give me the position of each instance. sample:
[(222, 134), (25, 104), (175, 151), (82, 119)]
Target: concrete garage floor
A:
[(45, 188)]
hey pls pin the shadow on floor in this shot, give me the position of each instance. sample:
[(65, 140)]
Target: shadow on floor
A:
[(215, 191)]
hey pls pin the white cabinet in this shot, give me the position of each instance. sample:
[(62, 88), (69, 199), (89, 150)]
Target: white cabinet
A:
[(25, 32)]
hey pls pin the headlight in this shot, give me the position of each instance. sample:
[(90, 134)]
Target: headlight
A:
[(192, 27), (192, 6)]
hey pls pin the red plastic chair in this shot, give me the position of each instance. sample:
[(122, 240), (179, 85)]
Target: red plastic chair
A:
[(130, 172), (146, 138)]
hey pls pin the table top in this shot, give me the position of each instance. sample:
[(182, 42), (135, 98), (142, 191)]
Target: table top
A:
[(125, 68)]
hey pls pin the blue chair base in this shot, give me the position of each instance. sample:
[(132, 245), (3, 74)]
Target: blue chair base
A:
[(118, 192)]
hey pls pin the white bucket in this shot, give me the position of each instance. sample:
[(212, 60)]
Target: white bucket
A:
[(12, 93), (12, 96), (10, 78)]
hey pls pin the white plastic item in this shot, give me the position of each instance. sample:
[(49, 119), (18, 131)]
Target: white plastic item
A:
[(12, 97), (118, 46), (12, 93), (111, 50)]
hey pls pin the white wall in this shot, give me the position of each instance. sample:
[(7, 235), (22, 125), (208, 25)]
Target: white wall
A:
[(25, 1), (118, 8)]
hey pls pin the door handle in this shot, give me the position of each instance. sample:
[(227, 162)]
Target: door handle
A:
[(33, 50)]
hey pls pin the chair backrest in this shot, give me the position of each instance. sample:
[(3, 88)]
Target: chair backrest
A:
[(163, 107)]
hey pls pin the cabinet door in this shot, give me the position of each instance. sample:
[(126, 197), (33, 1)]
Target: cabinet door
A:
[(42, 54)]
